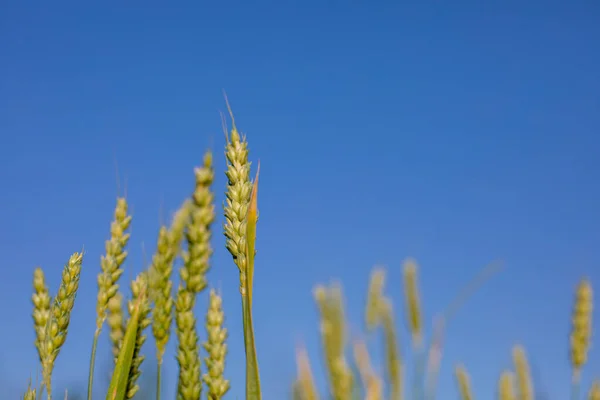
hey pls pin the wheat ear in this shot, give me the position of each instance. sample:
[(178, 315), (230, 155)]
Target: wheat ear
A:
[(506, 386), (161, 285), (193, 280), (594, 393), (139, 298), (108, 287), (523, 375), (581, 333), (216, 348), (415, 324), (464, 383), (379, 311), (371, 382), (57, 325), (333, 336), (304, 387)]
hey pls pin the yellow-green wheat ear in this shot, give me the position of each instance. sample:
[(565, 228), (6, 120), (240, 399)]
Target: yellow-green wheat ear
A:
[(120, 380), (193, 280), (392, 350), (582, 327), (116, 323), (237, 200), (216, 348), (464, 383), (379, 311), (413, 302), (523, 374), (189, 386), (241, 216), (30, 393), (333, 336), (374, 298), (60, 316), (140, 304), (111, 270), (304, 387), (373, 386), (112, 261), (506, 386), (198, 234), (41, 312), (594, 393), (161, 285), (161, 293)]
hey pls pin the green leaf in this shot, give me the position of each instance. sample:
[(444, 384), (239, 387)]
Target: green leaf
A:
[(118, 383), (253, 391)]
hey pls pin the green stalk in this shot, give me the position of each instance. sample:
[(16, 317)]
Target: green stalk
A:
[(92, 364), (253, 391), (158, 376), (576, 386)]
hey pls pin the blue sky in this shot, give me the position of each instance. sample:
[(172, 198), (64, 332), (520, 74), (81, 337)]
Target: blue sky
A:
[(455, 133)]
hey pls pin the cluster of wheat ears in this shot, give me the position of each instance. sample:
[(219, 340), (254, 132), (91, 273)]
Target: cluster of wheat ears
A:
[(154, 302)]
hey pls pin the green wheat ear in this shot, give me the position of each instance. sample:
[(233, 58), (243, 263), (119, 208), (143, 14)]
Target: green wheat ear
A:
[(241, 216), (216, 348), (51, 336), (379, 311), (333, 336), (193, 280), (464, 383), (30, 393), (304, 388), (140, 302)]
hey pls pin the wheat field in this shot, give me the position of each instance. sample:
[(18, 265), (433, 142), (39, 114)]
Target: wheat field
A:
[(157, 307)]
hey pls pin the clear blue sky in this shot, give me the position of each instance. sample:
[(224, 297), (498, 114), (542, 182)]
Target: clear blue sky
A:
[(455, 133)]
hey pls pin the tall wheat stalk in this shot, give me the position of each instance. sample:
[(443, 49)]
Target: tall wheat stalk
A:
[(241, 217)]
